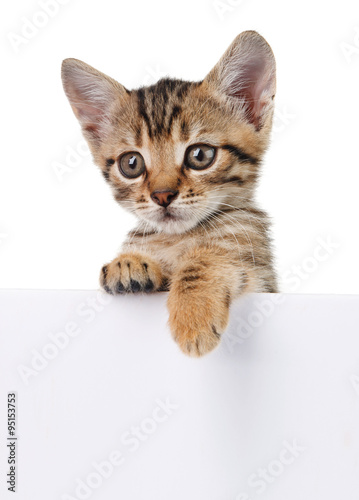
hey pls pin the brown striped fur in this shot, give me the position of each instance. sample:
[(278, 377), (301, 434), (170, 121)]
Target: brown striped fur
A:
[(211, 244)]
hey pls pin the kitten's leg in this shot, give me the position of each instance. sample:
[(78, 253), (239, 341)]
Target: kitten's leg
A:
[(201, 291), (132, 272)]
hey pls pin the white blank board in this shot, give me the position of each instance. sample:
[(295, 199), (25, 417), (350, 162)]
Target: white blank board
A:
[(108, 407)]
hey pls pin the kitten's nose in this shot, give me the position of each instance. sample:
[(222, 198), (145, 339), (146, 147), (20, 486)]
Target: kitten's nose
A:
[(164, 198)]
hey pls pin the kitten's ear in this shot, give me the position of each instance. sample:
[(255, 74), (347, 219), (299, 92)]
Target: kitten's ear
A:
[(246, 75), (92, 96)]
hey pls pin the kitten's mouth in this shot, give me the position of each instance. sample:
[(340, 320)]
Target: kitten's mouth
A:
[(169, 215), (170, 220)]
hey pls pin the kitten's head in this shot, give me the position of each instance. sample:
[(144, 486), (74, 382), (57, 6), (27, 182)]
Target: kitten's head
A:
[(177, 152)]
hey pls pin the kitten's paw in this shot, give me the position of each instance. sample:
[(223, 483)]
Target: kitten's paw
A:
[(198, 324), (131, 273)]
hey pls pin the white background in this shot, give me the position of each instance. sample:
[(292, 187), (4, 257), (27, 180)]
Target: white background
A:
[(87, 377), (58, 232)]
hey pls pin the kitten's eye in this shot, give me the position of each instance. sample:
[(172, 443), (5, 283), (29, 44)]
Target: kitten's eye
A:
[(199, 156), (132, 165)]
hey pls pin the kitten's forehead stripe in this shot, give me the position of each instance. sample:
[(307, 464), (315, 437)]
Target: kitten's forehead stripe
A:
[(142, 109), (176, 111), (183, 89), (184, 131), (160, 104), (138, 135)]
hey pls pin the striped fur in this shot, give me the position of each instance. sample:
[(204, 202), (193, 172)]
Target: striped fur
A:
[(211, 244)]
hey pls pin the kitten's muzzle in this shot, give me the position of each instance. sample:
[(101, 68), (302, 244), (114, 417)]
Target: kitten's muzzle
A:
[(164, 198)]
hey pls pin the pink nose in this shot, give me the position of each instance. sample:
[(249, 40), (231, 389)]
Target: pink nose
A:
[(164, 198)]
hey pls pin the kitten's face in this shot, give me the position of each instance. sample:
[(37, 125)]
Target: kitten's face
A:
[(177, 153)]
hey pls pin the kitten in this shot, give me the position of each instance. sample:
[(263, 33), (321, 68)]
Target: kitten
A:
[(185, 157)]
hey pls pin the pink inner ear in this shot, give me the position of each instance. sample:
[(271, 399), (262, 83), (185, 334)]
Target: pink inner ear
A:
[(250, 85), (91, 117), (90, 122), (87, 109), (89, 105), (92, 96)]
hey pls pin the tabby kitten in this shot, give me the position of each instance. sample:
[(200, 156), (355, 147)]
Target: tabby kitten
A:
[(185, 157)]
